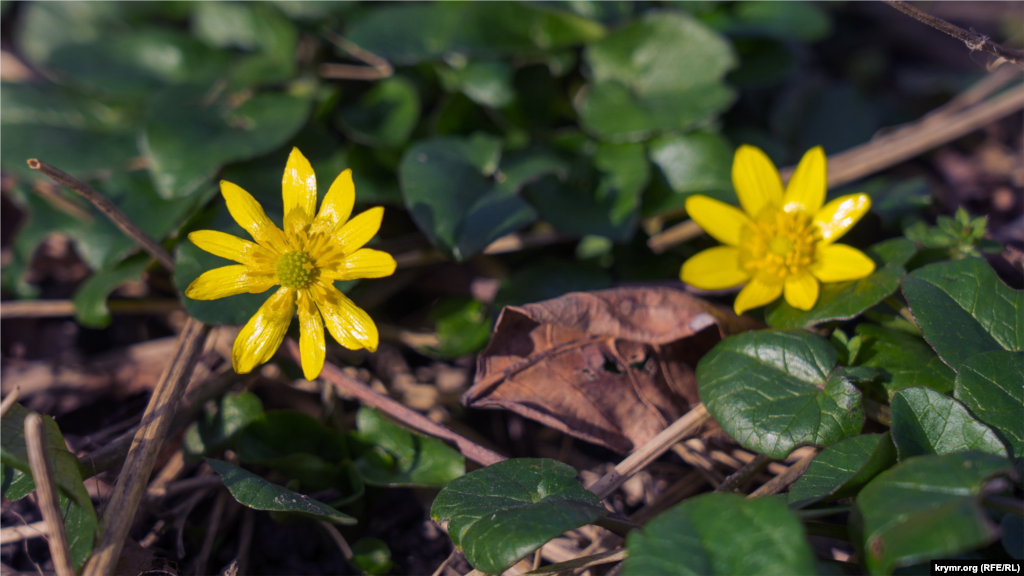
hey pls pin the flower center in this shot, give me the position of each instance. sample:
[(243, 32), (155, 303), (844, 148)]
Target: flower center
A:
[(295, 270), (779, 243)]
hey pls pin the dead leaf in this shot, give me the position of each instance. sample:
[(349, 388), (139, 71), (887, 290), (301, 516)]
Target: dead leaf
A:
[(612, 367)]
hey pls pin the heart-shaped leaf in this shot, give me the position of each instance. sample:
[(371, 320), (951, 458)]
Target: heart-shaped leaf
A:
[(385, 116), (839, 300), (397, 457), (989, 385), (927, 507), (906, 359), (775, 390), (500, 514), (694, 163), (218, 427), (90, 298), (661, 72), (721, 534), (928, 422), (256, 493), (843, 468), (964, 309)]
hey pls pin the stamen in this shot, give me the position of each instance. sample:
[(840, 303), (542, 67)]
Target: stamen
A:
[(295, 270)]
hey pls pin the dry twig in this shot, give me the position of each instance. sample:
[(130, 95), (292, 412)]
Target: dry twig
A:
[(378, 68), (46, 493), (973, 40), (784, 480), (9, 401)]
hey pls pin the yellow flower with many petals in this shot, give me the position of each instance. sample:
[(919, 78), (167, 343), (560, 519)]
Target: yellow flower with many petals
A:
[(305, 259), (781, 242)]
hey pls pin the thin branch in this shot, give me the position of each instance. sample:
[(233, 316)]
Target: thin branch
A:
[(157, 420), (9, 401), (973, 40), (740, 477), (46, 492), (784, 480), (212, 527), (584, 562), (378, 68), (58, 308), (12, 534), (104, 205), (245, 540)]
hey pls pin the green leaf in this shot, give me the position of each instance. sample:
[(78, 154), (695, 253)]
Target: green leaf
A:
[(894, 251), (268, 36), (989, 385), (842, 469), (462, 326), (90, 298), (927, 507), (15, 484), (396, 457), (964, 309), (694, 163), (1012, 527), (457, 196), (928, 422), (385, 115), (502, 513), (721, 534), (786, 21), (221, 423), (187, 139), (371, 556), (772, 391), (488, 83), (80, 522), (256, 493), (550, 279), (661, 72), (906, 359), (625, 173), (839, 300)]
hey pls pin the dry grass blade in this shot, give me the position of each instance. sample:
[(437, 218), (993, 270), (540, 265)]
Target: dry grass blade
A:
[(583, 563), (9, 401), (784, 480), (58, 308), (748, 471), (13, 534), (157, 420), (46, 493), (378, 68), (212, 527)]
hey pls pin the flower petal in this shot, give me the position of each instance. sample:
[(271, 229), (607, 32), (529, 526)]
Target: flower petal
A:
[(250, 215), (350, 325), (234, 248), (352, 236), (801, 290), (298, 189), (714, 269), (759, 291), (312, 346), (839, 263), (262, 334), (363, 263), (228, 281), (756, 180), (839, 215), (723, 222), (806, 188), (337, 205)]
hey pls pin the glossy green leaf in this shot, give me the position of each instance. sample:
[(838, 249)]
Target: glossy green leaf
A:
[(839, 300), (462, 327), (772, 391), (661, 72), (991, 385), (906, 359), (15, 484), (221, 423), (502, 513), (488, 83), (964, 309), (394, 456), (894, 251), (267, 36), (843, 468), (187, 139), (80, 522), (928, 422), (371, 556), (925, 508), (385, 115), (721, 534), (455, 192), (694, 163), (257, 493), (90, 298)]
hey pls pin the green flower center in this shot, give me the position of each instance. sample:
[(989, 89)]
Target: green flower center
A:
[(295, 270), (779, 243)]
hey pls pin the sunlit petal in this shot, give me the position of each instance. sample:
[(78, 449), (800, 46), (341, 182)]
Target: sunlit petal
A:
[(337, 205), (723, 222), (228, 281), (298, 189), (352, 236), (363, 263), (312, 346), (801, 290), (348, 324), (839, 215), (714, 269), (756, 180), (806, 188), (250, 215), (839, 263), (262, 335), (234, 248), (759, 291)]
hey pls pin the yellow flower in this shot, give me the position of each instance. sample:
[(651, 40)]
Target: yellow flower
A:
[(305, 259), (780, 242)]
